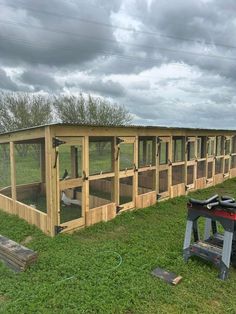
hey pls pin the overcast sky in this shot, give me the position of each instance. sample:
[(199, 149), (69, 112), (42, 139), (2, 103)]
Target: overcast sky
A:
[(169, 62)]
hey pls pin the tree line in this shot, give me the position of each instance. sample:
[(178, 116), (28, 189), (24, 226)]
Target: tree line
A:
[(24, 110)]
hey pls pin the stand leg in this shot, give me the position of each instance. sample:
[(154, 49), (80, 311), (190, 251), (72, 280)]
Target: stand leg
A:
[(207, 230), (187, 239), (226, 255)]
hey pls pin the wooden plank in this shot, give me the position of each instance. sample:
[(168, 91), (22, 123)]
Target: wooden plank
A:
[(178, 190), (146, 200), (52, 182), (13, 171), (101, 176), (218, 178), (135, 174), (200, 183), (70, 183), (126, 173), (15, 255), (85, 189), (102, 213)]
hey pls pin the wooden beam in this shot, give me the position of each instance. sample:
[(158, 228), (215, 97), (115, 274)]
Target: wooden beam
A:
[(135, 174), (116, 171), (52, 182), (85, 167), (13, 171)]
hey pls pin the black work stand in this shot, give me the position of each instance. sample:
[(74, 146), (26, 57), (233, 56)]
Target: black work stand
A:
[(216, 248)]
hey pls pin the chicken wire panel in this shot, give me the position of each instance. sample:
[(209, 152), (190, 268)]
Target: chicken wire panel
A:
[(146, 152), (227, 146), (233, 161), (163, 181), (29, 176), (210, 170), (100, 156), (100, 192), (28, 165), (70, 204), (177, 174), (201, 169), (219, 166), (5, 170), (163, 153), (146, 181), (226, 170), (190, 175), (211, 147), (191, 151), (178, 149), (234, 144), (126, 156), (126, 190), (219, 145), (201, 147), (70, 161)]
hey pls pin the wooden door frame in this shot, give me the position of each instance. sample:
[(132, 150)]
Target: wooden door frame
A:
[(74, 182), (164, 167)]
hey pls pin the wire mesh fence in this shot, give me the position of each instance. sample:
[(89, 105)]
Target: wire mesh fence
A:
[(178, 174), (201, 169), (163, 181), (5, 171), (100, 156)]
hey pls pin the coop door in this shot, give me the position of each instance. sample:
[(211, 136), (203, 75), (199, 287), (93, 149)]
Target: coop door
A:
[(211, 151), (70, 177), (227, 152), (191, 162), (163, 152), (127, 167)]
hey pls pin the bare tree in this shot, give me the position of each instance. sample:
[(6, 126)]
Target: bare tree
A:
[(21, 110), (72, 109)]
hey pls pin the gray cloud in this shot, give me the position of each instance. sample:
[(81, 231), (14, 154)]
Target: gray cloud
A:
[(59, 51), (6, 82), (39, 80)]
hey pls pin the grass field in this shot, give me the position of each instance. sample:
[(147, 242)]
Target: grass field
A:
[(84, 273)]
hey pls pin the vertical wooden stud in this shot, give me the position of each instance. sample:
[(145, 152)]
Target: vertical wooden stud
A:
[(52, 182), (13, 176), (85, 193), (135, 177), (116, 172)]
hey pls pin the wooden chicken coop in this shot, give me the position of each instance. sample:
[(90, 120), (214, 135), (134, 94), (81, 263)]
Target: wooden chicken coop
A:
[(63, 177)]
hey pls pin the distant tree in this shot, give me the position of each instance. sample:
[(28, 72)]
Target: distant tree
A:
[(22, 110), (94, 110)]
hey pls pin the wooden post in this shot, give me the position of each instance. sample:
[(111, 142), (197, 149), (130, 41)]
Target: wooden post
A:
[(52, 182), (170, 164), (116, 171), (85, 175), (13, 175), (186, 147), (195, 162), (135, 177)]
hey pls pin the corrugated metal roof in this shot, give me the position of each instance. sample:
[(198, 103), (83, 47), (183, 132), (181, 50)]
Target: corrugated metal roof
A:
[(117, 126)]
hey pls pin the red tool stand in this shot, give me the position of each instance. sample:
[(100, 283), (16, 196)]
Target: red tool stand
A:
[(220, 249)]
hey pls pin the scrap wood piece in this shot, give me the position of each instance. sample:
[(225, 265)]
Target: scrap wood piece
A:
[(15, 255), (169, 277)]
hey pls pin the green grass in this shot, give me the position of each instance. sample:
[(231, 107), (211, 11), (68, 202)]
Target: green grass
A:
[(144, 239)]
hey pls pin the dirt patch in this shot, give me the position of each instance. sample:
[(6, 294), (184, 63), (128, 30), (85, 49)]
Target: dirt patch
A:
[(27, 240), (3, 298)]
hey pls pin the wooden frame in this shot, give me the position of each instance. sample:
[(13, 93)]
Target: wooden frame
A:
[(94, 207)]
